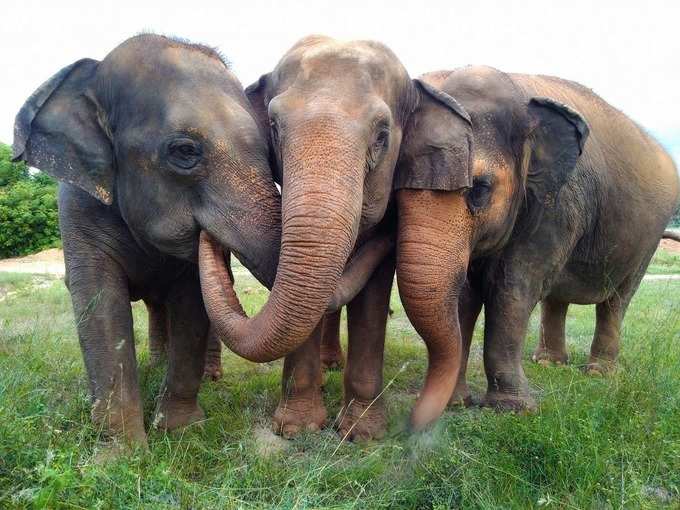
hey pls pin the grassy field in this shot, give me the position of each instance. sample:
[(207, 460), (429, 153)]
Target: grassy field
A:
[(664, 262), (604, 443)]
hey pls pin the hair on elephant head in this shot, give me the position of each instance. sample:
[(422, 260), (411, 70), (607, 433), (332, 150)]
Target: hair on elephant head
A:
[(161, 130), (336, 115)]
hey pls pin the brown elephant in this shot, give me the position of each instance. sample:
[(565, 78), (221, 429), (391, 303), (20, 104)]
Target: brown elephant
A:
[(569, 200), (335, 114)]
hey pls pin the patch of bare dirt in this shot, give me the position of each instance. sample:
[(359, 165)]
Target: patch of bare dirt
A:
[(670, 245), (45, 262), (268, 443)]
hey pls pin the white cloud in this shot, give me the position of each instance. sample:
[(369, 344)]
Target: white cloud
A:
[(627, 52)]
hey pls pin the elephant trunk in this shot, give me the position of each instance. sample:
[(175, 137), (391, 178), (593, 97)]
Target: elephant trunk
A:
[(321, 208), (433, 250)]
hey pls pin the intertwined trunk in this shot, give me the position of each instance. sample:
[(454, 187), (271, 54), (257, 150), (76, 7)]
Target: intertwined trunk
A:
[(432, 258), (321, 207)]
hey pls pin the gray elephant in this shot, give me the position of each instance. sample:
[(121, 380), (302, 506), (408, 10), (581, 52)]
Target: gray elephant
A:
[(568, 202), (152, 145), (335, 114)]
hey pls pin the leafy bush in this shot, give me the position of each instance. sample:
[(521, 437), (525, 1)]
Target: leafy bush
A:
[(28, 208), (675, 219)]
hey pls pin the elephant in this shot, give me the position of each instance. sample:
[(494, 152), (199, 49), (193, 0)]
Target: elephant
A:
[(158, 342), (335, 114), (568, 202), (152, 146)]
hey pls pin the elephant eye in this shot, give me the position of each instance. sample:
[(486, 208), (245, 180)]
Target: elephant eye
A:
[(377, 148), (478, 197), (184, 154), (382, 140)]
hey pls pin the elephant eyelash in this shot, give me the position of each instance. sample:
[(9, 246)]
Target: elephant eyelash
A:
[(377, 148)]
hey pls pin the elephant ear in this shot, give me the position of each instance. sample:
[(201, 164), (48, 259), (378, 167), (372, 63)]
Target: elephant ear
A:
[(58, 131), (556, 139), (436, 148), (257, 95)]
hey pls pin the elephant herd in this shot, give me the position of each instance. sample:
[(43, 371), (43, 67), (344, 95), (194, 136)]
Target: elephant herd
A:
[(480, 188)]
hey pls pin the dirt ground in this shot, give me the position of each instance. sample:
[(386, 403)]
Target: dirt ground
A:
[(52, 261), (45, 262), (670, 245)]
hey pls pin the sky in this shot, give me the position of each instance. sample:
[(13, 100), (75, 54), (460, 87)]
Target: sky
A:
[(626, 51)]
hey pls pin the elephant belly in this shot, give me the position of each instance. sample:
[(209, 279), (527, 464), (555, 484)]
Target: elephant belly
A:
[(583, 284)]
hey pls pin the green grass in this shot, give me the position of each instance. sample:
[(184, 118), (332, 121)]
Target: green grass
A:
[(664, 262), (609, 442)]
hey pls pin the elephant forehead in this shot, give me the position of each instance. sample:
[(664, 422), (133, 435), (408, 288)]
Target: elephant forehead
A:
[(333, 50)]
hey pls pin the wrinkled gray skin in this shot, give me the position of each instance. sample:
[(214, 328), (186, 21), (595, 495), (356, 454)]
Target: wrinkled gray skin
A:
[(569, 201), (335, 114), (152, 145)]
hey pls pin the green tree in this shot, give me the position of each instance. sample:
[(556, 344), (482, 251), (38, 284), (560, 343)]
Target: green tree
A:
[(28, 208), (11, 172)]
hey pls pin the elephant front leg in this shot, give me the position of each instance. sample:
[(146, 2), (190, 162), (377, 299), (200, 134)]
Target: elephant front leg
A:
[(469, 307), (187, 331), (101, 305), (506, 319), (331, 350), (363, 414), (301, 406)]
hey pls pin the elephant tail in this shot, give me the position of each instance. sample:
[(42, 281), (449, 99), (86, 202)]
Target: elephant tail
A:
[(671, 234)]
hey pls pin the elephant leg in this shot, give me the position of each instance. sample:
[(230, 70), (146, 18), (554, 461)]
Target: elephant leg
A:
[(609, 315), (469, 307), (331, 350), (551, 344), (363, 414), (301, 406), (188, 327), (158, 331), (101, 305), (506, 319), (605, 347), (213, 357)]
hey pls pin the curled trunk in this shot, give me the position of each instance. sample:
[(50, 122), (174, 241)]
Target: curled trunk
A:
[(321, 207), (433, 249)]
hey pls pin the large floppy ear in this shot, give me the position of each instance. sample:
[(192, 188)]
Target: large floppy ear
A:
[(556, 139), (58, 131), (257, 95), (436, 147)]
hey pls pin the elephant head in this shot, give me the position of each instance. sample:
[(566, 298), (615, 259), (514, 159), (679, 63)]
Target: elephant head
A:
[(161, 130), (525, 150), (335, 114)]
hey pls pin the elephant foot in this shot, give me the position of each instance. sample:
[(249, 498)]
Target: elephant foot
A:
[(332, 359), (461, 396), (295, 415), (546, 357), (213, 369), (174, 413), (501, 401), (362, 420), (118, 421)]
